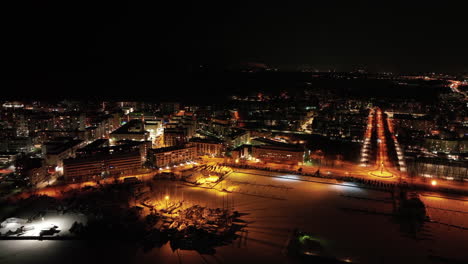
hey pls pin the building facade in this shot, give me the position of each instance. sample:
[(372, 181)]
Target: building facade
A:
[(276, 154), (207, 147), (102, 165), (170, 156)]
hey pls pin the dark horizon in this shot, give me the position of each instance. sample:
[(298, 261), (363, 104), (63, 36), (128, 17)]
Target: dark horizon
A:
[(62, 48)]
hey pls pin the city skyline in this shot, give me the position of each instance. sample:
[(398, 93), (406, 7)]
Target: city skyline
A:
[(248, 132)]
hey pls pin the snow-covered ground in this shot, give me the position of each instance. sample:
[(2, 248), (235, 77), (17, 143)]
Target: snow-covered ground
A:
[(449, 211), (335, 214), (63, 222)]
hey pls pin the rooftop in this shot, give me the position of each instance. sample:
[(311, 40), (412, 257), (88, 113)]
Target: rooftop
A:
[(127, 128), (206, 140), (102, 156), (56, 147), (272, 144)]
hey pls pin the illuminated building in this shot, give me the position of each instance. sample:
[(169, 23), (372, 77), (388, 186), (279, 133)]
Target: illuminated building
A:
[(179, 130), (133, 130), (185, 121), (238, 138), (98, 126), (207, 146), (16, 144), (437, 168), (101, 146), (13, 105), (8, 157), (414, 122), (455, 145), (142, 116), (37, 175), (59, 149), (49, 135), (154, 127), (170, 156), (175, 136), (107, 163), (32, 169), (22, 129), (220, 127), (169, 107), (278, 154)]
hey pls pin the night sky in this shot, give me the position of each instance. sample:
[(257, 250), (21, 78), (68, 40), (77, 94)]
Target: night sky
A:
[(95, 46)]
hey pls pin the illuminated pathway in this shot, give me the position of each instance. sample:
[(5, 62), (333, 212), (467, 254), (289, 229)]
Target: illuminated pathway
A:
[(382, 159), (375, 130), (365, 152), (400, 156)]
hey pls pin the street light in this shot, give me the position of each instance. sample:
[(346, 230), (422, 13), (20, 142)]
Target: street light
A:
[(166, 198), (434, 183)]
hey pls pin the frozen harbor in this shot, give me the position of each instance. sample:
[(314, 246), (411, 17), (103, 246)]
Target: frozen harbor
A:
[(351, 222)]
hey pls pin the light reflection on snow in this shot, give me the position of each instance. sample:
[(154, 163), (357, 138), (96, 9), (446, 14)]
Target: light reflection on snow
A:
[(289, 177), (349, 187)]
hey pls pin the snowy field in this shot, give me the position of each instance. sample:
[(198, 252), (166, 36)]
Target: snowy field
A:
[(350, 222), (62, 222), (449, 211)]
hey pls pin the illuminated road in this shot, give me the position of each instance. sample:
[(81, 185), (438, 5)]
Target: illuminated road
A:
[(383, 160), (382, 156), (376, 146), (454, 85), (399, 152), (366, 146)]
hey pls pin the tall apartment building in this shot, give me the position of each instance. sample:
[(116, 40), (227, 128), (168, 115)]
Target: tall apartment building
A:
[(207, 146), (170, 156), (133, 130), (268, 150), (59, 149), (175, 137), (102, 165)]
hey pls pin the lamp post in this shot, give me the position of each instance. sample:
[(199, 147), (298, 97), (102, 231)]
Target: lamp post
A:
[(166, 198)]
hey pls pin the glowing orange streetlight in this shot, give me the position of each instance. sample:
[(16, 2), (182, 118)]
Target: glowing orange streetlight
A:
[(434, 183), (166, 198)]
